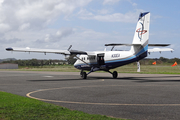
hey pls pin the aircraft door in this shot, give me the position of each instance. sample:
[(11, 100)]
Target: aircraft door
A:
[(100, 59)]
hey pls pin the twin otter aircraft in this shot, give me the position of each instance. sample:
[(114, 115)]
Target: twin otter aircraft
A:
[(106, 60)]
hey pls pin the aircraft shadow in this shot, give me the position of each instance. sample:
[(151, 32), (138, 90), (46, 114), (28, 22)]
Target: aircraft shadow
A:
[(152, 79), (134, 79), (75, 79)]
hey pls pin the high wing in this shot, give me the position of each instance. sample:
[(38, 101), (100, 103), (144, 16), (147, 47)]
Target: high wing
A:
[(65, 52)]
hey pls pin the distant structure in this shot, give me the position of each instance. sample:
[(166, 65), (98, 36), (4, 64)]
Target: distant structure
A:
[(8, 66)]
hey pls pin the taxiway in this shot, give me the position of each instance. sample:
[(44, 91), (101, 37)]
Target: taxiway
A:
[(132, 96)]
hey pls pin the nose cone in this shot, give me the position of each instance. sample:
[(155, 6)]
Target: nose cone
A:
[(76, 65)]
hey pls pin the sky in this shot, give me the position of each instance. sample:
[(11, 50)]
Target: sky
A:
[(87, 25)]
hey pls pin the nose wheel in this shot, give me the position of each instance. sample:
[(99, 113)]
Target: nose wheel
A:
[(83, 75)]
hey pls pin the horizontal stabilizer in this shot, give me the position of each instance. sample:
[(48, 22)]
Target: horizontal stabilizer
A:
[(160, 50), (159, 45), (114, 44)]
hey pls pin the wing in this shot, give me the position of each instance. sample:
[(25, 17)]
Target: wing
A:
[(65, 52)]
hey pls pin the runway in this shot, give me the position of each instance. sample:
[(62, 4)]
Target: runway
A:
[(131, 96)]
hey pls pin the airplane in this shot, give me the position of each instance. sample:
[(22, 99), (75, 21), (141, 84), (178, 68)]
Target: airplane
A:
[(106, 60)]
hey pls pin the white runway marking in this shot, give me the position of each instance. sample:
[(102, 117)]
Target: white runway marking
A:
[(48, 76), (91, 103)]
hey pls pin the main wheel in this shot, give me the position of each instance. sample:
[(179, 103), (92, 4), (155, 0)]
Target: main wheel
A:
[(115, 74), (84, 75)]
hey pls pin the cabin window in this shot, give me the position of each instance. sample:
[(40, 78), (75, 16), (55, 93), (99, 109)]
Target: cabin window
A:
[(91, 58)]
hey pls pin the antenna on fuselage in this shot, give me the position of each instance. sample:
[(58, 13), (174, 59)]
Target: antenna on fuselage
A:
[(112, 48)]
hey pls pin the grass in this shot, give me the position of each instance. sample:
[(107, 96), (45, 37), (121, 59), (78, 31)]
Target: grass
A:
[(150, 69), (14, 107), (145, 69)]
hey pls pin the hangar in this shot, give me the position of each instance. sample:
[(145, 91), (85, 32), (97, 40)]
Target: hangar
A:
[(8, 66)]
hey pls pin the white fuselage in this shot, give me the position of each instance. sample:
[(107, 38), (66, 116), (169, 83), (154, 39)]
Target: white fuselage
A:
[(105, 60)]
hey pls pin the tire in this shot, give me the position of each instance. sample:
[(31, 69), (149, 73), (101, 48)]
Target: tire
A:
[(115, 74), (84, 75), (81, 74)]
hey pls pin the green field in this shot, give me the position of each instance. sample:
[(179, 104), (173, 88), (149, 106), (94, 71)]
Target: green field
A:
[(150, 69), (14, 107), (145, 69)]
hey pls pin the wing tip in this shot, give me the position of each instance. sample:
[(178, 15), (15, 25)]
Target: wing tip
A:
[(9, 49)]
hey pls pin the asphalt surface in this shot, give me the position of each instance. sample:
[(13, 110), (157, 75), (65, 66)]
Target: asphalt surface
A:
[(132, 96)]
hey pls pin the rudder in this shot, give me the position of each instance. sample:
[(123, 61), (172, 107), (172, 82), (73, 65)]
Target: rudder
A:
[(141, 35)]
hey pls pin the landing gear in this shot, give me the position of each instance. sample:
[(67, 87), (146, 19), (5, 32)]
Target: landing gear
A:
[(115, 74), (83, 75)]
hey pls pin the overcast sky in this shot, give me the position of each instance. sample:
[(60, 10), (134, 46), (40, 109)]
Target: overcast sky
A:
[(85, 24)]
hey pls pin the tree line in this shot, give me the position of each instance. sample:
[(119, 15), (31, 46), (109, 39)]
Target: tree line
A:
[(71, 61), (36, 62)]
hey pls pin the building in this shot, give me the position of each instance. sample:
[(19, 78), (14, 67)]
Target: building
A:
[(8, 66)]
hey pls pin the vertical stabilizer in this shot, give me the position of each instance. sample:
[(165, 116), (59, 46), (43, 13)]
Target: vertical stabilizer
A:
[(141, 35)]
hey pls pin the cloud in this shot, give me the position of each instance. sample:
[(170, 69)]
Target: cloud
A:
[(116, 17), (36, 14), (129, 17), (56, 37), (24, 22), (132, 3), (4, 27), (24, 26), (110, 2), (103, 11), (108, 14), (10, 41)]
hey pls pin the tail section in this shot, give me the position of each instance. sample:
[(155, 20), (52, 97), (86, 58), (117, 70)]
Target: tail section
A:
[(141, 35)]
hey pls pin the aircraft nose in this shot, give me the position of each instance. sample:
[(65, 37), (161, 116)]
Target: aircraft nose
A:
[(75, 64)]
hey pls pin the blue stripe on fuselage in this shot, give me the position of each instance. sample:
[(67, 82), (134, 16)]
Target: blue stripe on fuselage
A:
[(139, 53)]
